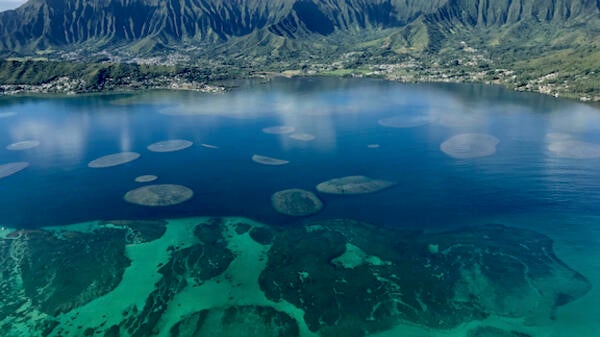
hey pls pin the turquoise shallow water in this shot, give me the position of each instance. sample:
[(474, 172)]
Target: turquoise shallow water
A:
[(533, 167)]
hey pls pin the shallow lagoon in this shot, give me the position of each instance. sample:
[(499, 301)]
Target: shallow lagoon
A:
[(523, 184)]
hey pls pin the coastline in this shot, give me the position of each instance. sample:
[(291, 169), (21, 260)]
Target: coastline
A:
[(58, 88)]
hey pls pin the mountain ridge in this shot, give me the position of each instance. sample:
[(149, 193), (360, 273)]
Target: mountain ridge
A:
[(41, 24), (527, 38)]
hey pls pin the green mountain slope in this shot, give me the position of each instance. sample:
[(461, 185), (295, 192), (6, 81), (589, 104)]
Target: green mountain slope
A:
[(42, 24), (541, 45)]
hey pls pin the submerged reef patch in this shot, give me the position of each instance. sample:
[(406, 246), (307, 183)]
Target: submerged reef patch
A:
[(406, 121), (239, 321), (557, 136), (565, 145), (264, 160), (574, 149), (236, 277), (170, 145), (470, 145), (159, 195), (390, 275), (490, 331), (296, 202), (279, 130), (58, 271), (353, 185), (139, 231), (146, 178), (23, 145), (7, 114), (114, 159), (12, 168), (305, 137), (186, 267)]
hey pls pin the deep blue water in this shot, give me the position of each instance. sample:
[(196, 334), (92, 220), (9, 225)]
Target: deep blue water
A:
[(433, 190)]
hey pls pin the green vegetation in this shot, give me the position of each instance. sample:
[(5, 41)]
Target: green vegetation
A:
[(91, 77), (35, 72), (528, 45)]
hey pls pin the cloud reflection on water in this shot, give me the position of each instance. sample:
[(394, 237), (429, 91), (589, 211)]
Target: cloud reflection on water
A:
[(65, 138)]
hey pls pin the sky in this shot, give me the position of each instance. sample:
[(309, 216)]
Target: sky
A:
[(10, 4)]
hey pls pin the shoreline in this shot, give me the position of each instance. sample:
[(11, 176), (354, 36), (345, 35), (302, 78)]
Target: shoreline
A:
[(216, 87)]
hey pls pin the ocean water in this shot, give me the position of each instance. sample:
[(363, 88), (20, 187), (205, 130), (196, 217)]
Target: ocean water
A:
[(498, 237)]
